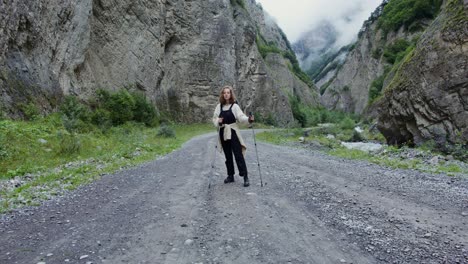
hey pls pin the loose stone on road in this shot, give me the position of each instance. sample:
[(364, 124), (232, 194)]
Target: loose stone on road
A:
[(314, 209)]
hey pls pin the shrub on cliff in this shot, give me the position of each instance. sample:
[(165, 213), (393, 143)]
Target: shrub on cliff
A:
[(398, 13)]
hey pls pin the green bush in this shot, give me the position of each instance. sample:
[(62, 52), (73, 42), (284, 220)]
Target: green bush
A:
[(3, 147), (144, 111), (296, 69), (415, 27), (240, 3), (399, 13), (397, 51), (327, 116), (356, 137), (71, 125), (270, 120), (121, 107), (264, 48), (459, 151), (74, 109), (312, 116), (3, 116), (102, 96), (101, 118), (69, 143), (75, 115), (298, 110), (166, 131), (30, 111), (376, 88), (347, 123)]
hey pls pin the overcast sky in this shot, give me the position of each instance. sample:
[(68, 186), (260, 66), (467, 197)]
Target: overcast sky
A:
[(298, 16)]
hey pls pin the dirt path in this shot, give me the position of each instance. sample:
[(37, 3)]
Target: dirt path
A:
[(314, 209)]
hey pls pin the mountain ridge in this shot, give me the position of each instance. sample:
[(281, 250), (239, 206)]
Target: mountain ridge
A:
[(177, 53)]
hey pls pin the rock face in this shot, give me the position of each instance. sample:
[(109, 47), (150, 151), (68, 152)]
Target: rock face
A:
[(314, 43), (179, 53), (348, 89), (428, 96), (424, 96)]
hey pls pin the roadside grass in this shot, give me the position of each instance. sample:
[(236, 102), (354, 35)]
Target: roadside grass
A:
[(42, 164), (384, 161), (328, 139)]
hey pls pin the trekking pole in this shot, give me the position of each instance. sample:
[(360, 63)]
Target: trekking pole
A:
[(214, 158), (256, 151)]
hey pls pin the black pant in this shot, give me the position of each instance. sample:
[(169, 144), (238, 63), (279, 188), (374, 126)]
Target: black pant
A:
[(230, 147)]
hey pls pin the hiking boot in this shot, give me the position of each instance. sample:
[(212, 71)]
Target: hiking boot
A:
[(229, 179), (246, 181)]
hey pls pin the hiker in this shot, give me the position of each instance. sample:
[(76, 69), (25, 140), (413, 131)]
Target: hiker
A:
[(226, 116)]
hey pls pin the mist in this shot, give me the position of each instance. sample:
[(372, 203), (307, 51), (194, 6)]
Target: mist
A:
[(296, 17)]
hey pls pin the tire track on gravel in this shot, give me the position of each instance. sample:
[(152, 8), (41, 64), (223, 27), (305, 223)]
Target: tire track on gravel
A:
[(314, 209)]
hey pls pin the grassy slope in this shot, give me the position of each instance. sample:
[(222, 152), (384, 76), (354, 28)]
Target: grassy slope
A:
[(46, 169), (388, 157)]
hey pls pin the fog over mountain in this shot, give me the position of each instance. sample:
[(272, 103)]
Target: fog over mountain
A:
[(299, 16), (318, 27)]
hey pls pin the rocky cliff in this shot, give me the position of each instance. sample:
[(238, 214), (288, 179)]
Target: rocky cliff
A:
[(179, 53), (427, 98), (413, 79), (348, 88)]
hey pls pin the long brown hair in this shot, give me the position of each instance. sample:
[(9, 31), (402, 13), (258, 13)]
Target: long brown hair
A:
[(222, 101)]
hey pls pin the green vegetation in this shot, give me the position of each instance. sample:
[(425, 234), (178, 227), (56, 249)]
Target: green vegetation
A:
[(395, 52), (327, 138), (399, 81), (308, 116), (2, 113), (240, 3), (296, 69), (58, 159), (166, 131), (457, 19), (398, 13), (384, 161), (82, 141), (329, 67), (324, 65), (285, 39), (298, 110), (324, 87), (376, 88), (265, 47), (30, 111), (108, 109), (124, 106), (266, 120)]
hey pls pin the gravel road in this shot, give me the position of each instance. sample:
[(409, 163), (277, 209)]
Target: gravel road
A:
[(313, 209)]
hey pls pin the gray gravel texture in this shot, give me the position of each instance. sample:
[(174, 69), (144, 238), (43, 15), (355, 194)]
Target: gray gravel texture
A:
[(313, 209)]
